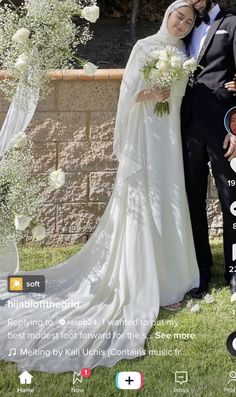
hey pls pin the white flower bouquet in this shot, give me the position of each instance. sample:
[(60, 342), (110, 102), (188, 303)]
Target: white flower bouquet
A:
[(39, 36), (21, 194), (163, 67)]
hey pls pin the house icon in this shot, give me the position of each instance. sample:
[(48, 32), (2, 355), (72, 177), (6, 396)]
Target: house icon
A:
[(25, 378)]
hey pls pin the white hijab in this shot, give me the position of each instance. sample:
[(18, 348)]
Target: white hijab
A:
[(163, 34), (133, 83)]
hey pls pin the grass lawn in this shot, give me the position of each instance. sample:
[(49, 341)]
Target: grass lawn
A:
[(205, 358)]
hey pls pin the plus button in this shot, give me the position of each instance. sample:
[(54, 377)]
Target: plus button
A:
[(129, 380)]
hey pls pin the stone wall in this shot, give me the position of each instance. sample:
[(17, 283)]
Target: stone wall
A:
[(73, 129)]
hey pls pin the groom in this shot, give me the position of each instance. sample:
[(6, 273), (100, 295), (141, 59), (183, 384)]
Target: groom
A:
[(213, 43)]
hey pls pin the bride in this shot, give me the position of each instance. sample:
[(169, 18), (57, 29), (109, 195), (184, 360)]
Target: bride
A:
[(100, 304)]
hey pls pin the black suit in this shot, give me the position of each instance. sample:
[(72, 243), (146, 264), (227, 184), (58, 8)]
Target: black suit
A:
[(203, 132)]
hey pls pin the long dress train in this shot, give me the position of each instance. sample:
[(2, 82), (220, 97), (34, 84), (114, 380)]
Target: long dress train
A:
[(141, 256), (100, 304)]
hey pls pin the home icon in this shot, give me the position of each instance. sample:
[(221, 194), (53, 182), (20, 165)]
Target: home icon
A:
[(25, 378)]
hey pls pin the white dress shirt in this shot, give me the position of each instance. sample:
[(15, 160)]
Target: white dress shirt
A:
[(199, 33)]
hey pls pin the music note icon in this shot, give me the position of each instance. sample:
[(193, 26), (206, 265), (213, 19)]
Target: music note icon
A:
[(12, 352)]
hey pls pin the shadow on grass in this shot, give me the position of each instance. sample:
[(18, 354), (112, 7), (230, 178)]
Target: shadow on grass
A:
[(218, 269)]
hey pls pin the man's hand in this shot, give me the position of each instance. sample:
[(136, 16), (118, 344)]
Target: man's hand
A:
[(230, 144), (231, 85)]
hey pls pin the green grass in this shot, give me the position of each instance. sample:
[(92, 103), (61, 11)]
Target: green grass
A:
[(206, 358)]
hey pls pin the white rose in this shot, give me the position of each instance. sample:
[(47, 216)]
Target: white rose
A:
[(190, 64), (164, 56), (21, 35), (209, 298), (90, 68), (155, 54), (90, 13), (39, 232), (20, 140), (56, 179), (195, 309), (162, 66), (22, 222), (175, 61), (233, 297), (154, 75), (22, 62)]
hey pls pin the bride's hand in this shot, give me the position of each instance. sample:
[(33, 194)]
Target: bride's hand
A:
[(156, 94), (160, 94)]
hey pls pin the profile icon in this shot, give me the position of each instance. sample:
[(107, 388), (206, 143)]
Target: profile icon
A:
[(232, 376), (230, 121)]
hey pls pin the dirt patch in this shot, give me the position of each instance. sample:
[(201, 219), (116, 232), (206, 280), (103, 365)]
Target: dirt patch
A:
[(111, 43)]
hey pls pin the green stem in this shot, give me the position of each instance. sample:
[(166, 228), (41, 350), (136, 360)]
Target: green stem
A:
[(162, 108), (81, 61), (76, 15)]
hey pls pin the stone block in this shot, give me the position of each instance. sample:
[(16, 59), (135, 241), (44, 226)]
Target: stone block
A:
[(4, 103), (49, 102), (47, 216), (212, 191), (87, 95), (214, 215), (213, 233), (75, 189), (45, 157), (87, 156), (2, 118), (58, 127), (78, 219), (102, 126), (101, 185)]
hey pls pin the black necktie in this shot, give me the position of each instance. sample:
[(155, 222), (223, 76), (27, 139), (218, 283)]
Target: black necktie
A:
[(200, 19)]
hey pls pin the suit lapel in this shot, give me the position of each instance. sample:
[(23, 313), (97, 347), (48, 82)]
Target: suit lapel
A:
[(210, 35)]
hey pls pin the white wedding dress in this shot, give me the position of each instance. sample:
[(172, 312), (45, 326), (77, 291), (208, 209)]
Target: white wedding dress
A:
[(140, 257)]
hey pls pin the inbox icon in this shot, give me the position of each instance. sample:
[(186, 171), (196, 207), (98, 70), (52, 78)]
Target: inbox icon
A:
[(129, 380)]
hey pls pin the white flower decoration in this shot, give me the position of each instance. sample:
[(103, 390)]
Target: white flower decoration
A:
[(56, 179), (162, 66), (20, 140), (90, 13), (154, 74), (176, 61), (195, 308), (233, 297), (190, 65), (21, 35), (209, 298), (154, 55), (163, 56), (39, 232), (22, 62), (90, 68), (22, 222)]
